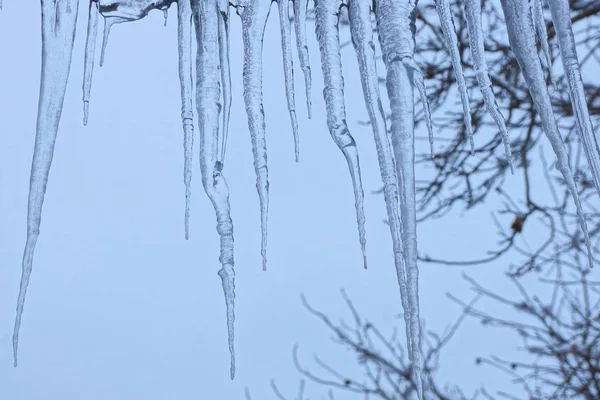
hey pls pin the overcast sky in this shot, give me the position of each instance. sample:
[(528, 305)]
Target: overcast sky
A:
[(120, 306)]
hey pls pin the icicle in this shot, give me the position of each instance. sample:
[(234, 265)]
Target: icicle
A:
[(476, 41), (419, 82), (90, 51), (327, 29), (521, 36), (396, 29), (108, 23), (288, 68), (300, 7), (166, 13), (254, 19), (362, 38), (225, 72), (542, 34), (447, 24), (184, 41), (207, 102), (566, 40), (59, 19)]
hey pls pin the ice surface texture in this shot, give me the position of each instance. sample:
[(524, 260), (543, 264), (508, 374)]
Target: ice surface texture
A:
[(394, 23)]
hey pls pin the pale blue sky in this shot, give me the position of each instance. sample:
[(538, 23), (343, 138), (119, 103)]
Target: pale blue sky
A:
[(120, 306)]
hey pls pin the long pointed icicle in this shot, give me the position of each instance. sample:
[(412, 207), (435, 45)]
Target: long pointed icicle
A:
[(362, 38), (184, 44), (566, 40), (476, 42), (447, 24), (108, 23), (327, 29), (396, 28), (288, 68), (521, 36), (207, 100), (59, 20), (300, 8), (90, 51), (254, 19), (542, 34), (225, 72)]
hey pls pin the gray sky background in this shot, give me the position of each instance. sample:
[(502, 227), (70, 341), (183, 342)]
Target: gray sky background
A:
[(120, 306)]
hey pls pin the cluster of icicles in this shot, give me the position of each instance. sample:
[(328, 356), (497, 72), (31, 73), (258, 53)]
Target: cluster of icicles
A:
[(395, 25)]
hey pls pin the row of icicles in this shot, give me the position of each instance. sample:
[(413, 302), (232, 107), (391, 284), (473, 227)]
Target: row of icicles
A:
[(395, 25)]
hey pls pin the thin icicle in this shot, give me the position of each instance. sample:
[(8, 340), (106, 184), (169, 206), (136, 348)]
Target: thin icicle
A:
[(476, 41), (521, 36), (59, 20), (300, 9), (90, 52), (566, 40), (447, 25), (419, 82), (108, 23), (254, 19), (327, 29), (207, 100), (184, 42), (166, 13), (288, 68), (542, 34), (225, 72), (396, 29)]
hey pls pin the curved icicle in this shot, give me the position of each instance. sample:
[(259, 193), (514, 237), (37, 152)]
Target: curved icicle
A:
[(396, 29), (59, 20), (207, 102), (108, 23), (288, 68), (566, 40), (184, 44), (542, 34), (419, 83), (90, 51), (300, 8), (327, 30), (225, 73), (447, 24), (476, 42), (254, 19), (521, 36)]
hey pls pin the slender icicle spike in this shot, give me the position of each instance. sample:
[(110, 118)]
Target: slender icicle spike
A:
[(396, 29), (225, 73), (254, 19), (327, 29), (476, 43), (207, 101), (300, 9), (57, 47), (542, 34), (521, 36), (419, 82), (566, 40), (90, 52), (184, 44), (166, 13), (362, 37), (288, 68), (108, 23), (447, 24)]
